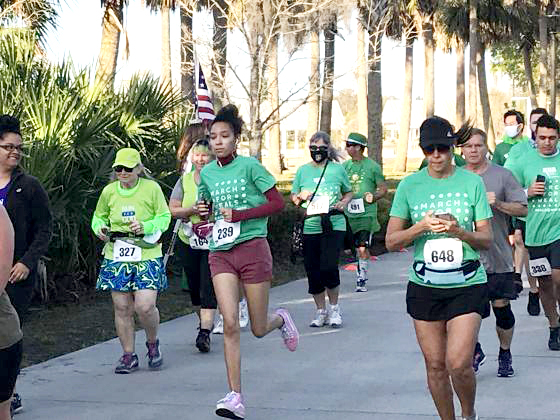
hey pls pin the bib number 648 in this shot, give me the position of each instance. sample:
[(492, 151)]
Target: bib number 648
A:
[(443, 256)]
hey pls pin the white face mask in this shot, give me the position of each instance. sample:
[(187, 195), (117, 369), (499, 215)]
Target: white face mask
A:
[(512, 130)]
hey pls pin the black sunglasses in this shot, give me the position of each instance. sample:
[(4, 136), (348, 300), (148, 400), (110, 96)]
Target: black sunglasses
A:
[(350, 144), (441, 148), (317, 148), (121, 168), (201, 142)]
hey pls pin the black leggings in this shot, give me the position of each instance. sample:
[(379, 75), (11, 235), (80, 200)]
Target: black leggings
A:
[(195, 264), (20, 294), (321, 253)]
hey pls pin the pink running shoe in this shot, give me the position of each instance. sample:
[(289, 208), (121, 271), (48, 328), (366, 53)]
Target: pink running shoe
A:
[(289, 330), (231, 406)]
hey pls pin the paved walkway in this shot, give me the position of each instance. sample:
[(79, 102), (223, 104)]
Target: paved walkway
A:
[(369, 369)]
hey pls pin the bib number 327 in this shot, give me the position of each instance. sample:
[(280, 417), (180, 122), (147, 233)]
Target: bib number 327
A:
[(125, 252), (225, 233)]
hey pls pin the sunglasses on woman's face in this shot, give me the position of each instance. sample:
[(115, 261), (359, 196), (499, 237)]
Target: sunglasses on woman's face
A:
[(121, 168), (317, 148), (350, 144), (441, 148)]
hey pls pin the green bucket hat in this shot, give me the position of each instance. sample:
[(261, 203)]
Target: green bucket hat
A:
[(357, 138), (127, 157)]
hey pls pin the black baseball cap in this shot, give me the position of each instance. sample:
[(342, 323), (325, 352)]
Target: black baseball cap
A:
[(437, 130)]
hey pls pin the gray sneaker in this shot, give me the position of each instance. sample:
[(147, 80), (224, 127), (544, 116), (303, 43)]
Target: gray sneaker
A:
[(128, 363), (155, 359)]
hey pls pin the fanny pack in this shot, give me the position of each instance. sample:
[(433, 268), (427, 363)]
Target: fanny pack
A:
[(459, 275), (143, 241)]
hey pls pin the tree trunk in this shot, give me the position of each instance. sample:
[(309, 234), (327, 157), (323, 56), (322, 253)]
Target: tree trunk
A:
[(187, 55), (473, 47), (274, 134), (362, 81), (404, 131), (543, 65), (313, 101), (552, 108), (110, 38), (328, 77), (165, 47), (219, 45), (529, 73), (255, 135), (484, 98), (460, 91), (429, 69), (375, 99)]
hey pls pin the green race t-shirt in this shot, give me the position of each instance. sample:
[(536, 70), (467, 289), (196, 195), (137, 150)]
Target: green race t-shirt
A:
[(502, 151), (117, 207), (543, 218), (462, 194), (365, 176), (334, 184), (190, 196), (239, 185)]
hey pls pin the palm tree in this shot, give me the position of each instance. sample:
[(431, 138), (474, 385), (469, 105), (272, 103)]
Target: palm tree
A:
[(110, 37), (165, 7), (361, 79), (426, 10), (38, 15), (329, 34), (374, 15), (220, 12), (402, 25), (314, 83)]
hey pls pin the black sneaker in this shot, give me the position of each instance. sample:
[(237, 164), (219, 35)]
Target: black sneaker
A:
[(554, 339), (478, 358), (155, 359), (534, 306), (128, 363), (505, 370), (15, 404), (203, 341)]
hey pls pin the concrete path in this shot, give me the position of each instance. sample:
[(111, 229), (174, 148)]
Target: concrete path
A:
[(369, 369)]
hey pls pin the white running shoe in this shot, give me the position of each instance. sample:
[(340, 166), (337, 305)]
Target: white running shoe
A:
[(243, 313), (320, 318), (335, 318), (219, 325)]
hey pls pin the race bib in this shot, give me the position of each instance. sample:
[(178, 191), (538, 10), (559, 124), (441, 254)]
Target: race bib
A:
[(196, 242), (125, 252), (225, 233), (356, 206), (540, 267), (443, 254), (319, 205)]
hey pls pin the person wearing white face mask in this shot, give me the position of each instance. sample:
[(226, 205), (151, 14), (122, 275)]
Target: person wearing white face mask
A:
[(514, 125)]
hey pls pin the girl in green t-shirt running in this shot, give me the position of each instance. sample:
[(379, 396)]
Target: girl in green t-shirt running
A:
[(241, 193)]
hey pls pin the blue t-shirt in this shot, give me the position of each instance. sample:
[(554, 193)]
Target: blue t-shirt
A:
[(4, 193)]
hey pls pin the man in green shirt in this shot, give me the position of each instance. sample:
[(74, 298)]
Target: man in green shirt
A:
[(521, 256), (514, 124), (539, 173), (368, 186)]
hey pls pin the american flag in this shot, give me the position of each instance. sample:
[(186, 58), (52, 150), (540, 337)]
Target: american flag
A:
[(204, 107)]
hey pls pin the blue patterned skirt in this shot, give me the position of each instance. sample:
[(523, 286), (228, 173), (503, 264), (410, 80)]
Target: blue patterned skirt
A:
[(132, 276)]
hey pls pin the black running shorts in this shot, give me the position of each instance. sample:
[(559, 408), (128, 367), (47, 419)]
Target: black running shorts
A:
[(10, 359), (425, 303)]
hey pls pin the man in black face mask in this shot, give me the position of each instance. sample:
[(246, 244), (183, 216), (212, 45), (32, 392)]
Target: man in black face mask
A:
[(319, 153)]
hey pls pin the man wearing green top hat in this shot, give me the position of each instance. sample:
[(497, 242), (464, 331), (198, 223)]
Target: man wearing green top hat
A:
[(368, 186)]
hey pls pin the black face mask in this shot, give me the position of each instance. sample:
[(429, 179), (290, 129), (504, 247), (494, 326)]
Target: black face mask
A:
[(319, 155)]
